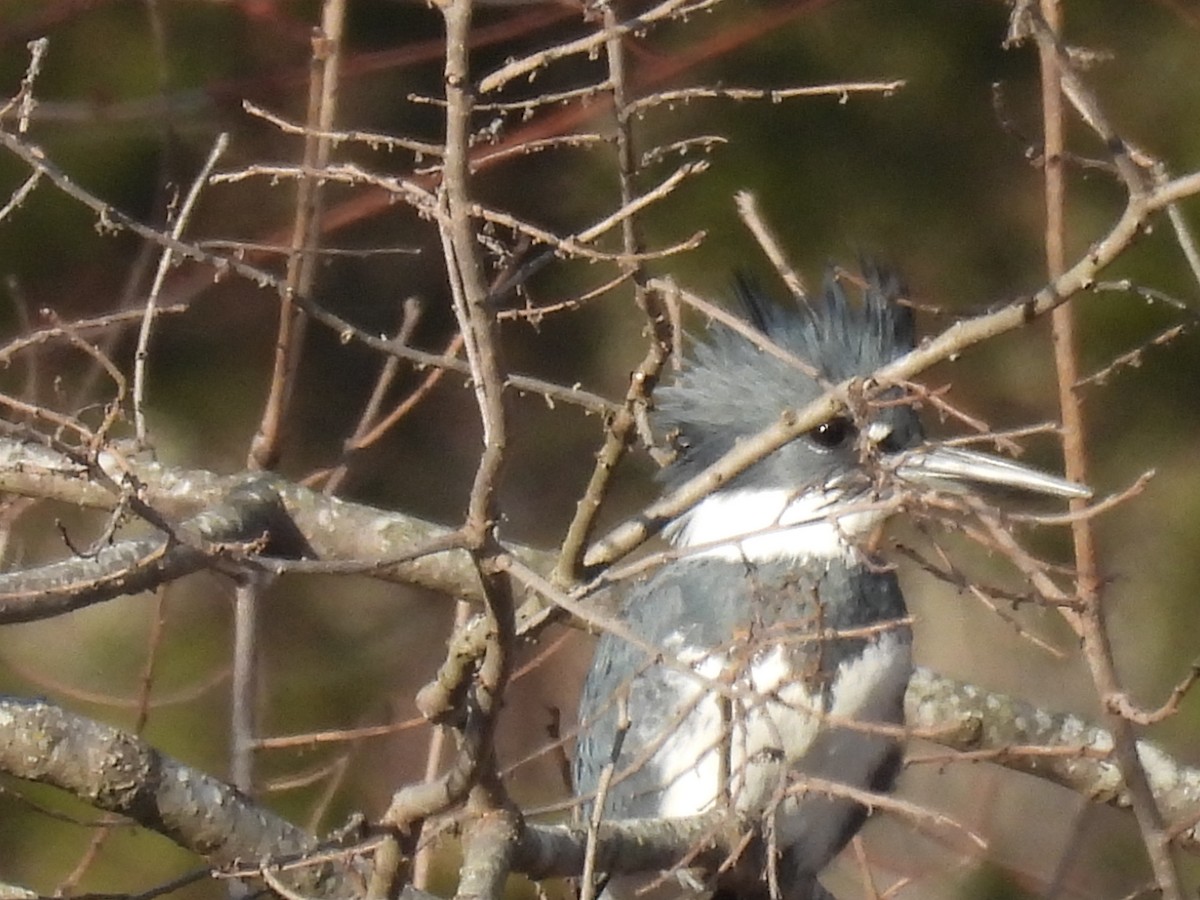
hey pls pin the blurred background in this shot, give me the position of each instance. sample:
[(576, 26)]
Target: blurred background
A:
[(938, 177)]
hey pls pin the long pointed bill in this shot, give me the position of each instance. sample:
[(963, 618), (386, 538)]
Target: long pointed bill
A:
[(952, 464)]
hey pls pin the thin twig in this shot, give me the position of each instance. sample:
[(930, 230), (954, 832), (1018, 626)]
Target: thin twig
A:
[(776, 95), (367, 420), (474, 767), (166, 260), (306, 234), (423, 858), (1059, 80), (244, 687), (747, 207), (372, 139), (587, 880), (623, 425), (17, 197), (947, 344), (587, 44)]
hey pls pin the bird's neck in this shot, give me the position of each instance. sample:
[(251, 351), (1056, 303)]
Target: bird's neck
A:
[(765, 524)]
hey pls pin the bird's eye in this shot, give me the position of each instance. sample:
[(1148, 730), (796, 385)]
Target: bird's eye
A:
[(834, 433)]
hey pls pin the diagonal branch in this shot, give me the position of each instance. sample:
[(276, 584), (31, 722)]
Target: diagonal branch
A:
[(117, 772), (947, 345), (250, 519), (120, 773)]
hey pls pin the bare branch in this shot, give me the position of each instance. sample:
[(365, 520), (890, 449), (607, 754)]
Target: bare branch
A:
[(252, 513), (160, 275), (949, 344), (370, 138), (119, 773), (776, 95), (1059, 79), (385, 544), (1019, 736), (747, 206), (306, 233), (586, 44)]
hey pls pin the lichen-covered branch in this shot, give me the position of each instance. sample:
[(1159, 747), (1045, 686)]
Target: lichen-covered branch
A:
[(119, 773)]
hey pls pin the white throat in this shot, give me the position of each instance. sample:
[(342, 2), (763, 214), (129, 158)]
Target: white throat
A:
[(759, 525)]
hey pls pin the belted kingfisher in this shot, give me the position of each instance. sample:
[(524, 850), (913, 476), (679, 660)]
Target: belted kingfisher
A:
[(772, 640)]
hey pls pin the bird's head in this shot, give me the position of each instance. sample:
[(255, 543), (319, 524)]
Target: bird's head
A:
[(817, 494)]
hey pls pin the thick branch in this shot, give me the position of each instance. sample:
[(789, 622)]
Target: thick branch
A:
[(119, 773), (251, 513), (382, 543), (1059, 747), (129, 567)]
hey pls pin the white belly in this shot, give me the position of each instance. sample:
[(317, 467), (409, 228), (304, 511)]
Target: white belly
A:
[(747, 746)]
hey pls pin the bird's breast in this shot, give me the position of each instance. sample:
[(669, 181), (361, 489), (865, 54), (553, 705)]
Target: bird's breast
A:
[(744, 742)]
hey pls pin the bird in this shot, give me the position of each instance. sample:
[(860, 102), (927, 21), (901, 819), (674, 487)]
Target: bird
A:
[(771, 649)]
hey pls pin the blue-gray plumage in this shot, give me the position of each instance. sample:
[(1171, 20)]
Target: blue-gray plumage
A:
[(774, 641)]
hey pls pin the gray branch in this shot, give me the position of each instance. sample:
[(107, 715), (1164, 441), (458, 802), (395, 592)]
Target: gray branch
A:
[(388, 545), (1059, 747), (251, 513), (119, 773)]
